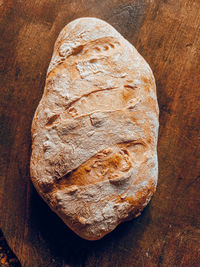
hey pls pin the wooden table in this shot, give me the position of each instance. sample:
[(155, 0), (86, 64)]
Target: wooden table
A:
[(167, 34)]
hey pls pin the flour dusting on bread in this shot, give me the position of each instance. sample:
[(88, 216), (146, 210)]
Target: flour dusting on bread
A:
[(94, 133)]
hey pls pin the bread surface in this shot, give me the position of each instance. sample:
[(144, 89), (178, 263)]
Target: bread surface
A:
[(94, 133)]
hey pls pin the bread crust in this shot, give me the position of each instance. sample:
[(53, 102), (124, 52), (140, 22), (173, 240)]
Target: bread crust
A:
[(94, 133)]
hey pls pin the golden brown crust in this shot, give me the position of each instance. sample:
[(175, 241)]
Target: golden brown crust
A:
[(94, 158)]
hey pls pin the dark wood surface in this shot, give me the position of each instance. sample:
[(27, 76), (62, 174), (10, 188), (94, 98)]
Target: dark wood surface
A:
[(167, 34)]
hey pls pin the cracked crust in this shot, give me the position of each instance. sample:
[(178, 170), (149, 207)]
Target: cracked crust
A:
[(94, 133)]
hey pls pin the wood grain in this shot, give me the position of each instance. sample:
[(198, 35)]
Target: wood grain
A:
[(167, 34)]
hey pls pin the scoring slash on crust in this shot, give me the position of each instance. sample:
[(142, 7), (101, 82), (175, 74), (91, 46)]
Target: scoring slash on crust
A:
[(94, 133)]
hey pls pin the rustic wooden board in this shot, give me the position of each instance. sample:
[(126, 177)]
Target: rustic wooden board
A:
[(167, 34)]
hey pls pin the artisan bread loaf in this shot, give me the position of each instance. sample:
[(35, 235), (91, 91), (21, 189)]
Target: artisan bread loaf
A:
[(94, 133)]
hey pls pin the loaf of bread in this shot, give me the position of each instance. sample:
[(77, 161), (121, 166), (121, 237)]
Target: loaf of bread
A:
[(94, 133)]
